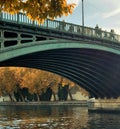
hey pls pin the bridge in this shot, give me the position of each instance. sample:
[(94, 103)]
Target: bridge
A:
[(87, 56)]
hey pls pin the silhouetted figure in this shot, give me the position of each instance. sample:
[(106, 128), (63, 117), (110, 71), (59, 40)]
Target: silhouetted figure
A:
[(105, 34), (78, 29), (71, 28), (112, 34), (62, 25), (98, 31)]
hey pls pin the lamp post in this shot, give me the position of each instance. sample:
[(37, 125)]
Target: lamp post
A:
[(82, 12), (83, 17)]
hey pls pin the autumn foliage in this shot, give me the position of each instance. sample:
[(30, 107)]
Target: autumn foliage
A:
[(38, 9), (37, 82)]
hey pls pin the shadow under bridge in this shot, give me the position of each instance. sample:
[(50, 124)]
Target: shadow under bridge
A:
[(94, 67)]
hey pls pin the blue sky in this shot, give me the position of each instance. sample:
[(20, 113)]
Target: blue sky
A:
[(105, 13)]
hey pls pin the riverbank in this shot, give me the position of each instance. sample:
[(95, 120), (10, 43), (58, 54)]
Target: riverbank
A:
[(54, 103)]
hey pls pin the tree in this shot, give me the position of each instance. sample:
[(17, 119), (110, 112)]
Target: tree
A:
[(7, 82), (32, 83), (67, 84), (37, 81), (38, 9), (19, 73)]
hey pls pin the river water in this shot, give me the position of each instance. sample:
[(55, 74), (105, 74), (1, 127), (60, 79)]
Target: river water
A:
[(56, 117)]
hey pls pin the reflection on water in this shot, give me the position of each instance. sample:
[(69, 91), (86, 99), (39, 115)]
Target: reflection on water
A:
[(104, 120), (55, 117)]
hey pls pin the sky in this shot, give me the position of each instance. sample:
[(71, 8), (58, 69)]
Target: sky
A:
[(105, 13)]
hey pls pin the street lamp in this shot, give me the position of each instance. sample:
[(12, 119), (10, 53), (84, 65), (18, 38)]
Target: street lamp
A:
[(82, 17), (82, 12)]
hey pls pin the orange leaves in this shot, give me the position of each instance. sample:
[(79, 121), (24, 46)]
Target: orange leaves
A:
[(38, 10), (10, 6), (35, 80), (60, 8), (7, 80)]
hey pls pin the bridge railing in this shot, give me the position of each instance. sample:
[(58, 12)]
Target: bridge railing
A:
[(96, 33)]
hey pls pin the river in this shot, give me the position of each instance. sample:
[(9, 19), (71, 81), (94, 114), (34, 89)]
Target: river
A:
[(56, 117)]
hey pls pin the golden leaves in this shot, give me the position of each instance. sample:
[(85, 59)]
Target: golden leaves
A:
[(7, 80), (38, 10), (60, 8), (36, 81), (10, 6)]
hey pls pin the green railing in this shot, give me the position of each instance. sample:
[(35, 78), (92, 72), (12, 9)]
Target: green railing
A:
[(21, 18)]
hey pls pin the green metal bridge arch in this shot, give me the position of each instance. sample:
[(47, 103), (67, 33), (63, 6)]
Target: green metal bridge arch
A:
[(46, 45), (85, 63)]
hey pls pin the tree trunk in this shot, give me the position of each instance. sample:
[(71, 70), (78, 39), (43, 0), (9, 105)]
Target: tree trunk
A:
[(10, 96), (71, 98), (38, 98), (54, 96), (21, 95), (23, 99)]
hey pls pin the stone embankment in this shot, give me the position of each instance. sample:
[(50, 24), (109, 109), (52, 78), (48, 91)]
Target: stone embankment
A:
[(104, 105), (54, 103)]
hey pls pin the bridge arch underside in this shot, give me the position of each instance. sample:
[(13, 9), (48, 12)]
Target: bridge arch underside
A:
[(96, 71)]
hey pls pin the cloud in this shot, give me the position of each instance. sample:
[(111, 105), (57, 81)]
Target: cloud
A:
[(112, 13)]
